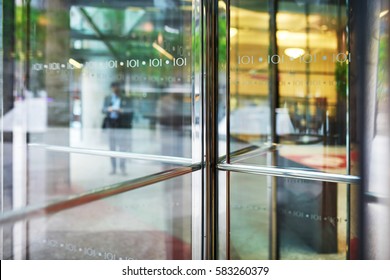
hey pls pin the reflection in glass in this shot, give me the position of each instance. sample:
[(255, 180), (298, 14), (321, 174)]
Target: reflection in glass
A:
[(153, 222), (63, 67), (68, 65), (46, 183), (377, 187), (72, 65), (312, 221), (249, 217), (311, 58)]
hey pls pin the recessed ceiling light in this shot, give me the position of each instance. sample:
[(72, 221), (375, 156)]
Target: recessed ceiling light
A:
[(294, 52)]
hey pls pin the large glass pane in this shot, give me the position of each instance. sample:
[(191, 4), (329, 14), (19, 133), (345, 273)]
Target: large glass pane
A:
[(72, 64), (249, 46), (289, 74), (312, 220), (94, 93), (49, 182), (153, 222), (249, 217)]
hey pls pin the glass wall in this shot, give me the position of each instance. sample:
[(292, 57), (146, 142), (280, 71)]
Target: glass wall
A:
[(310, 225), (292, 82), (149, 223), (97, 94)]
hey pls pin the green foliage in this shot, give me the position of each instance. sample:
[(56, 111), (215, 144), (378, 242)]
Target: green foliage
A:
[(383, 69), (222, 39), (341, 79), (38, 24)]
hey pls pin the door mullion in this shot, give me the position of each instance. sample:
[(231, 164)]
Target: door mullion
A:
[(211, 126), (273, 100)]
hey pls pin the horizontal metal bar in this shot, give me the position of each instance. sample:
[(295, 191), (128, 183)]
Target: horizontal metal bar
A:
[(291, 173), (247, 153), (94, 152), (370, 197), (93, 195)]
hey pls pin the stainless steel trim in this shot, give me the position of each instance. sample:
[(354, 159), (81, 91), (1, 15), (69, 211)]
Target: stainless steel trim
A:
[(371, 197), (227, 97), (162, 159), (72, 201), (228, 155), (196, 101), (247, 153), (273, 86), (211, 128), (291, 173), (203, 126), (348, 136), (1, 140)]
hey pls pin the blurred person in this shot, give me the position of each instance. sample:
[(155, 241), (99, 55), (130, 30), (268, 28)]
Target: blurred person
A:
[(171, 121), (117, 121)]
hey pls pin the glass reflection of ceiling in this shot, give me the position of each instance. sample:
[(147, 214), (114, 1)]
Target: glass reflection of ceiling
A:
[(124, 27), (119, 4), (108, 21), (252, 24), (295, 6)]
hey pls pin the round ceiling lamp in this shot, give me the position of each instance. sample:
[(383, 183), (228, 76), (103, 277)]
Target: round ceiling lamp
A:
[(294, 52)]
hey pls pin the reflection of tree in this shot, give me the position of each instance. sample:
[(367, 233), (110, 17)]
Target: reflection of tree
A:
[(196, 43), (382, 89), (30, 35), (341, 79), (37, 25), (341, 71), (222, 39)]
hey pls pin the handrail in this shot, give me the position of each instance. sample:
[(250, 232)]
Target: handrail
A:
[(291, 173), (247, 152), (372, 197), (95, 152), (93, 195)]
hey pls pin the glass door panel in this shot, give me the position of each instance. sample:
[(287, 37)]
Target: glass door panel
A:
[(288, 87), (309, 224), (99, 96), (289, 102), (153, 222), (249, 217)]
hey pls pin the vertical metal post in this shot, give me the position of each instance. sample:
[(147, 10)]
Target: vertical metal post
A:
[(211, 126), (358, 71), (1, 132), (273, 93), (197, 135), (348, 134), (227, 112)]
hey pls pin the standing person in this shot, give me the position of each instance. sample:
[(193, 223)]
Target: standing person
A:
[(118, 121)]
